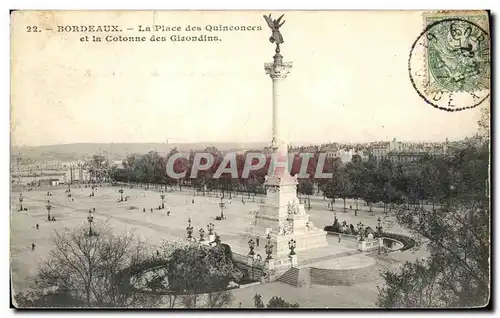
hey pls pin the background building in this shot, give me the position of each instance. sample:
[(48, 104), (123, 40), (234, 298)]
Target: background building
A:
[(398, 151)]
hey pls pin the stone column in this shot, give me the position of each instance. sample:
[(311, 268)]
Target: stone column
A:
[(278, 71)]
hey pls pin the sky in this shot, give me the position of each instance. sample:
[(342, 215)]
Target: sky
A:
[(349, 81)]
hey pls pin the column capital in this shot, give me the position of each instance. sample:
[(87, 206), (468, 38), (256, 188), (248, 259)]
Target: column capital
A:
[(278, 71)]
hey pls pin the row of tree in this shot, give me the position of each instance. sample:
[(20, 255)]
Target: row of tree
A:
[(151, 168), (430, 179)]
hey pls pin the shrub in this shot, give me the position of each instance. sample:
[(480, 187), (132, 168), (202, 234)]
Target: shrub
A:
[(278, 302)]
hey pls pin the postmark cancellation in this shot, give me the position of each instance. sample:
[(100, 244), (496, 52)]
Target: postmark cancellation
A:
[(449, 63)]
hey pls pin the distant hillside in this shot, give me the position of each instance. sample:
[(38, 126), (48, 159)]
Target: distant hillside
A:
[(118, 151)]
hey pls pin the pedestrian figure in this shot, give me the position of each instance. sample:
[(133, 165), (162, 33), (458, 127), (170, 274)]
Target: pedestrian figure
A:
[(257, 300), (72, 199), (32, 246), (94, 210), (192, 201), (151, 210), (168, 213), (350, 207), (355, 212), (257, 241), (37, 226), (53, 219), (157, 253), (143, 209)]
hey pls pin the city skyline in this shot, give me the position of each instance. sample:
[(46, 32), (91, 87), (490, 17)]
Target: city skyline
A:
[(293, 144)]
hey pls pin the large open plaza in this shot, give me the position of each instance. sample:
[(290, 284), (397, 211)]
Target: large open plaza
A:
[(140, 214)]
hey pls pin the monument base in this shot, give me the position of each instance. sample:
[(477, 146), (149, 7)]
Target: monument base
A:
[(283, 222)]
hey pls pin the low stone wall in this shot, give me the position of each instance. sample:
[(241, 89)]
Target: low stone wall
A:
[(348, 237), (405, 240)]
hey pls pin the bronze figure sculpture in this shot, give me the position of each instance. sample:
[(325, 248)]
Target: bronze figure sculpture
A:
[(276, 36)]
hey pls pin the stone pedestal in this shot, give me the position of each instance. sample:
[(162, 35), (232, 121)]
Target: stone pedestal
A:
[(362, 246), (270, 264), (211, 238), (285, 219), (295, 261), (250, 260), (368, 245)]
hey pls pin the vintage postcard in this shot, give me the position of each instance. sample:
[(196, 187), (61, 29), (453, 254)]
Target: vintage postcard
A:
[(246, 159)]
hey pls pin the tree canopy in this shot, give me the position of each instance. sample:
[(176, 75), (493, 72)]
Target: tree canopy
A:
[(457, 235)]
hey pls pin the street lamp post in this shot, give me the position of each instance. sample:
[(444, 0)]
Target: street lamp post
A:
[(361, 230), (222, 205), (189, 230), (269, 247), (90, 219), (202, 234), (379, 234), (121, 194), (292, 244), (379, 227), (49, 207), (162, 196), (210, 228), (251, 245), (21, 201)]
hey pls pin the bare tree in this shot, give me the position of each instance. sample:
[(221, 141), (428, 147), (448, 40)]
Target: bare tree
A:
[(88, 267), (190, 300), (219, 299)]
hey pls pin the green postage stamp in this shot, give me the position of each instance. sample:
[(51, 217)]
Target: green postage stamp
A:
[(449, 63)]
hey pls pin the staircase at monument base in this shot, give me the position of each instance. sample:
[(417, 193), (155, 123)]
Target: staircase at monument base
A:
[(290, 277), (330, 277), (297, 277)]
